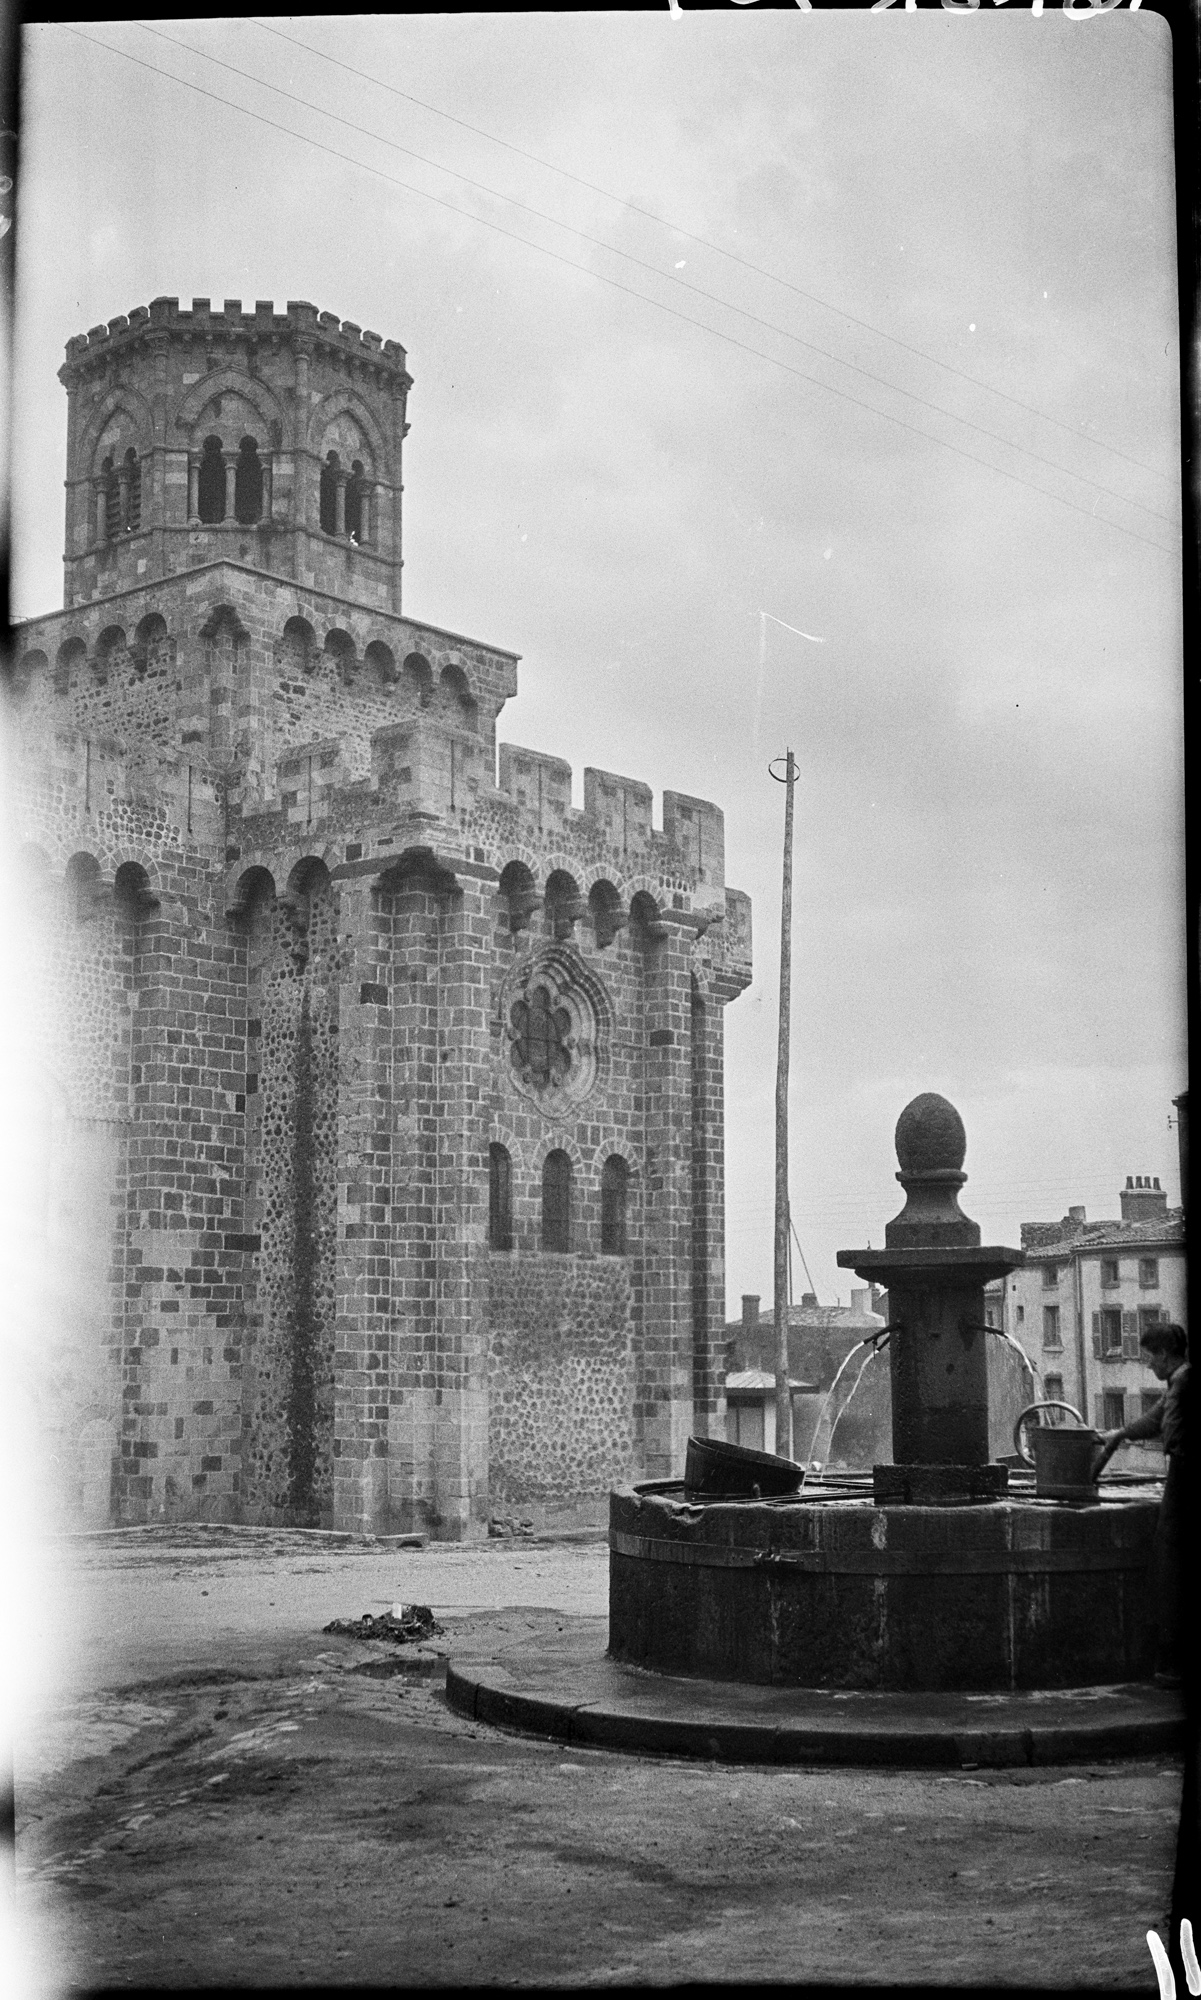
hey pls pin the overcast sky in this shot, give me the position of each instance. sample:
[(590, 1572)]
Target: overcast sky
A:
[(989, 891)]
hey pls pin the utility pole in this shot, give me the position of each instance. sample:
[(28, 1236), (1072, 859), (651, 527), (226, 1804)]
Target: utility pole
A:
[(783, 1394)]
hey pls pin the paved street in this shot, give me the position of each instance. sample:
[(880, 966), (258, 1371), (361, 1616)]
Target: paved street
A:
[(212, 1790)]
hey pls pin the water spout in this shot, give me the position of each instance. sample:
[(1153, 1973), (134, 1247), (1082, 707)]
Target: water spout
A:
[(875, 1341), (1031, 1367), (873, 1351)]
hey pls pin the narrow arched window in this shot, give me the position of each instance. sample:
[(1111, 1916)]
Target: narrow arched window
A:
[(112, 499), (211, 484), (133, 491), (329, 495), (83, 884), (500, 1199), (556, 1201), (355, 488), (615, 1180), (248, 483)]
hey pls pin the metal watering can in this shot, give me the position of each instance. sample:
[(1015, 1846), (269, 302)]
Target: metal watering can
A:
[(1062, 1457)]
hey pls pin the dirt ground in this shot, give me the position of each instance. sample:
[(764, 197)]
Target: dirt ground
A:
[(212, 1791)]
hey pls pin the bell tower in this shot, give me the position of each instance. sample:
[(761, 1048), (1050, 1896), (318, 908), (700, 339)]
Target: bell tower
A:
[(267, 439)]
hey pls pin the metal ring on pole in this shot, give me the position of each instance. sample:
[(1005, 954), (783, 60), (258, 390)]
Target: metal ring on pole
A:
[(785, 780)]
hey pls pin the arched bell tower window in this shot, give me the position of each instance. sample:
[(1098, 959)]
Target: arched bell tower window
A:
[(248, 483), (131, 480), (331, 472), (112, 499), (500, 1198), (358, 504), (211, 486), (556, 1201)]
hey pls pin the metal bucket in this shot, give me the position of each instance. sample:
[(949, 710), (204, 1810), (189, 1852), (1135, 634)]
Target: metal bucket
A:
[(1062, 1456), (715, 1470)]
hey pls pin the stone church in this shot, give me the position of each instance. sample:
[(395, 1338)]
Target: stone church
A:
[(380, 1180)]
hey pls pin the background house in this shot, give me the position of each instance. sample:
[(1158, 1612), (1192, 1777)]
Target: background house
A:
[(1086, 1293)]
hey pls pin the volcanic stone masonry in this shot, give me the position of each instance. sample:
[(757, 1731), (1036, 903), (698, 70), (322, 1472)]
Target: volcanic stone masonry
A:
[(380, 1184)]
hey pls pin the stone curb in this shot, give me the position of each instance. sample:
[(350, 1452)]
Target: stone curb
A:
[(330, 1537), (611, 1725)]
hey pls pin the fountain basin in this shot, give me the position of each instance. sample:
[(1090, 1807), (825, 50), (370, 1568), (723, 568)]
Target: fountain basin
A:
[(841, 1593)]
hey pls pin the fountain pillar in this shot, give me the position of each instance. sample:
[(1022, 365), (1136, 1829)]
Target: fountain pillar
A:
[(935, 1270)]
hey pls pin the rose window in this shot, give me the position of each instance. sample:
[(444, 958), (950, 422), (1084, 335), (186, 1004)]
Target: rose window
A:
[(541, 1040), (556, 1017)]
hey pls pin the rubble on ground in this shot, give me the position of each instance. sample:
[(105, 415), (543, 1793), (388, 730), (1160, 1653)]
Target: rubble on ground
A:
[(415, 1622)]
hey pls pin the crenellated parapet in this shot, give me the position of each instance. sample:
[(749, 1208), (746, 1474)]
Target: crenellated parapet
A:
[(230, 322)]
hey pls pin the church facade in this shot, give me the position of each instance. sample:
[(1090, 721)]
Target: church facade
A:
[(380, 1185)]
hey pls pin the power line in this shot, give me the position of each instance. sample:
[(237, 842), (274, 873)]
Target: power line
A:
[(691, 236), (667, 277), (615, 284)]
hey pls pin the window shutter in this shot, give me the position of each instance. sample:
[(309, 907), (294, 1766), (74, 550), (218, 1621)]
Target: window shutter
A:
[(1098, 1411), (1097, 1335), (1130, 1336)]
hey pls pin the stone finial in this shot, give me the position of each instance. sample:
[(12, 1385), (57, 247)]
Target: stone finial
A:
[(930, 1137), (931, 1146)]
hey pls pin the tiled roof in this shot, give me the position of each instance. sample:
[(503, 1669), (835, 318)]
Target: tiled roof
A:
[(759, 1378), (1049, 1239), (815, 1319)]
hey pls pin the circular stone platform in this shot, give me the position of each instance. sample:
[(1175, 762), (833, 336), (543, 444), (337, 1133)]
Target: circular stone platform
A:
[(559, 1684), (837, 1593)]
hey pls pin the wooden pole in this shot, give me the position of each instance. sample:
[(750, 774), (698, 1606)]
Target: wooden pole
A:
[(783, 1394)]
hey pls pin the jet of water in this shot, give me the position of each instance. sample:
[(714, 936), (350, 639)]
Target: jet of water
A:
[(869, 1357), (847, 1359), (1031, 1367)]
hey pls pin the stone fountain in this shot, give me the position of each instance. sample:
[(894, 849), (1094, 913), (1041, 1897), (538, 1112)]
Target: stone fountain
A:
[(941, 1579), (933, 1612)]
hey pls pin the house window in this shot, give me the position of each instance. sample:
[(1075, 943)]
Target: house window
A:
[(615, 1177), (1111, 1330), (1148, 1273), (1111, 1271), (1149, 1399), (556, 1202), (745, 1425), (1051, 1335), (1050, 1277), (1021, 1314), (1113, 1409), (1147, 1316), (1053, 1389), (210, 489), (500, 1199)]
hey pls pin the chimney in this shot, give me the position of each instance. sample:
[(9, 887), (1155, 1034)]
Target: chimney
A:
[(1075, 1215), (750, 1312), (808, 1299), (1143, 1200), (861, 1303)]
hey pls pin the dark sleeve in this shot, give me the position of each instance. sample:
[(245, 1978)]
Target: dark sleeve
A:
[(1150, 1426)]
